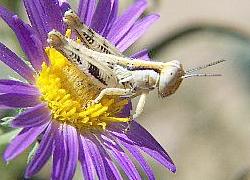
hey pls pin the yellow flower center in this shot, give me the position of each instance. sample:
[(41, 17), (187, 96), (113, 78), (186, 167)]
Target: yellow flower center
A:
[(69, 94)]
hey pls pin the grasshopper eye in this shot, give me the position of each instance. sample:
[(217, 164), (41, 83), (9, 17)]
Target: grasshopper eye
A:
[(55, 39), (170, 78)]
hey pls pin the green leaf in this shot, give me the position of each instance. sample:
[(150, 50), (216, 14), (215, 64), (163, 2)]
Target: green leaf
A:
[(9, 116), (32, 152), (6, 121), (6, 137)]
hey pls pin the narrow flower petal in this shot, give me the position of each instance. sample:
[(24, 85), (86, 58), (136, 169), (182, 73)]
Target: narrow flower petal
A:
[(58, 151), (37, 18), (136, 32), (145, 141), (34, 116), (25, 138), (126, 110), (143, 55), (44, 16), (126, 21), (14, 82), (14, 62), (85, 159), (86, 10), (72, 148), (137, 155), (111, 170), (10, 86), (64, 5), (18, 100), (62, 1), (121, 157), (2, 107), (42, 154), (65, 155), (53, 14), (28, 39), (158, 155), (97, 160), (112, 17), (101, 16)]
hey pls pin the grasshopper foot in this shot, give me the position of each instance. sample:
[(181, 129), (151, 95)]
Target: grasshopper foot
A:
[(128, 124), (89, 104)]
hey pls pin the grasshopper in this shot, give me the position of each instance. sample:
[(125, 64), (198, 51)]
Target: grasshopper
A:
[(114, 73)]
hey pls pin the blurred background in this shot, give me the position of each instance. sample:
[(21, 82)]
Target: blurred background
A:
[(205, 125)]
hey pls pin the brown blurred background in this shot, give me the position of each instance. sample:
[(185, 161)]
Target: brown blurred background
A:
[(205, 126)]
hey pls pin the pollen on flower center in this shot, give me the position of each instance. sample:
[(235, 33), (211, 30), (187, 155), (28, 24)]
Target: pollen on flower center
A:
[(69, 94)]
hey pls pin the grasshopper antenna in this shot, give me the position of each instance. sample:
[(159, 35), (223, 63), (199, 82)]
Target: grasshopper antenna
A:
[(204, 66), (199, 75), (189, 74)]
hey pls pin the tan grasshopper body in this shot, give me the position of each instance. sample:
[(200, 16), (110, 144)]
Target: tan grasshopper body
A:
[(115, 73)]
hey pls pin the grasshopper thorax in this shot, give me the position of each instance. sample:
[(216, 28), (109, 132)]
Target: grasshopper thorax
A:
[(170, 78)]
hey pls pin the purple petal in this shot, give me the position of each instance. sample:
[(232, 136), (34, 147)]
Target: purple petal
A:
[(126, 110), (143, 55), (34, 116), (25, 138), (86, 160), (14, 62), (58, 151), (18, 100), (101, 16), (86, 10), (126, 21), (64, 5), (6, 107), (62, 1), (73, 148), (10, 86), (97, 160), (145, 141), (28, 40), (37, 18), (136, 32), (121, 157), (42, 154), (143, 163), (54, 14), (44, 16), (65, 154), (111, 170), (14, 82), (112, 17)]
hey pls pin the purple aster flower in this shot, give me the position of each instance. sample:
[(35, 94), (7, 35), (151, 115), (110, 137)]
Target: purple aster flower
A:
[(54, 115)]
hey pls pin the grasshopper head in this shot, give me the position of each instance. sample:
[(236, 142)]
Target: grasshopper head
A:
[(71, 19), (172, 75), (170, 78), (56, 39)]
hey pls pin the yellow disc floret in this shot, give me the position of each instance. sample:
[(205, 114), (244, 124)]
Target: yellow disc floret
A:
[(69, 94)]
